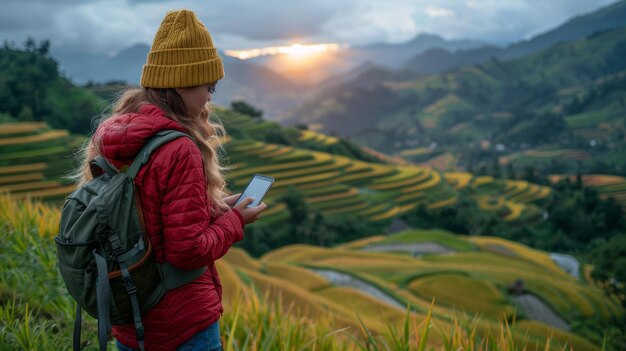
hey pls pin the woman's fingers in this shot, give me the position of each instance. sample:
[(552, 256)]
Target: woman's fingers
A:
[(244, 204), (250, 214), (232, 199)]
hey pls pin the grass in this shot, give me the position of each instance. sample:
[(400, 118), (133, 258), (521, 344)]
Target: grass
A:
[(515, 211), (486, 298), (521, 251), (37, 138), (458, 180), (22, 168), (272, 311), (21, 127), (443, 203)]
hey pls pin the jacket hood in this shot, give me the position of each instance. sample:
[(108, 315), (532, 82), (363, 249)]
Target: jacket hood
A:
[(121, 137)]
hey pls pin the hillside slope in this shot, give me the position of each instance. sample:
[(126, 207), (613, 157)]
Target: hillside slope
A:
[(344, 286), (490, 110)]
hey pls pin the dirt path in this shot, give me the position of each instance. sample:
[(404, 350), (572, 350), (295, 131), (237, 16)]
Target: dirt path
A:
[(535, 309)]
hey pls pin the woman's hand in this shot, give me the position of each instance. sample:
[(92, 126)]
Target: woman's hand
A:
[(250, 215), (230, 200)]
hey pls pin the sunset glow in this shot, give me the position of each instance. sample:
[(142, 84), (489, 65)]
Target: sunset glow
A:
[(295, 50)]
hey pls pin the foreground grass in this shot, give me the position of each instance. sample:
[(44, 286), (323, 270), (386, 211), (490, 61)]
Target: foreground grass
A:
[(36, 313)]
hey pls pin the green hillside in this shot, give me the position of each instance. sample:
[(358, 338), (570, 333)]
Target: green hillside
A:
[(569, 99), (34, 159), (359, 285), (33, 89)]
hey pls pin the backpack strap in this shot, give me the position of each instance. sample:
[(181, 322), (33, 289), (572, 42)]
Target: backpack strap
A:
[(103, 298), (77, 328), (129, 286), (100, 165), (174, 277), (152, 144)]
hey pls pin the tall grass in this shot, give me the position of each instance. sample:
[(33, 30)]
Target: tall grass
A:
[(36, 313)]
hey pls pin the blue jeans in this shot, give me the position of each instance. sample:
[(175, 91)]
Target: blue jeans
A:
[(205, 340)]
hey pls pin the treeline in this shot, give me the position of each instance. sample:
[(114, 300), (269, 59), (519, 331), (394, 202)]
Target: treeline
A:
[(577, 220), (32, 89), (595, 94)]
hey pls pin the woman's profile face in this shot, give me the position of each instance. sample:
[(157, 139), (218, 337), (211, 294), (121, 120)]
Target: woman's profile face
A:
[(196, 97)]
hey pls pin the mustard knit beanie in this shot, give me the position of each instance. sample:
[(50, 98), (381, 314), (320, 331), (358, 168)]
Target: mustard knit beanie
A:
[(182, 54)]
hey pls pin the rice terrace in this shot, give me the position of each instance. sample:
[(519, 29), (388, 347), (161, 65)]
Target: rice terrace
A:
[(453, 190)]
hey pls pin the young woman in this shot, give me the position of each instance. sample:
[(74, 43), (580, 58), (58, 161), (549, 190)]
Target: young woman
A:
[(181, 192)]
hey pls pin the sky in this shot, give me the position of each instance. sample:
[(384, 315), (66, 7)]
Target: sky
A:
[(108, 26)]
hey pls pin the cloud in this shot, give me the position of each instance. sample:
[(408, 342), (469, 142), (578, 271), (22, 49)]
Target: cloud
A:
[(105, 26), (435, 11)]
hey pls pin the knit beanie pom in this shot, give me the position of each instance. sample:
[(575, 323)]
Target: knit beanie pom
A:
[(182, 54)]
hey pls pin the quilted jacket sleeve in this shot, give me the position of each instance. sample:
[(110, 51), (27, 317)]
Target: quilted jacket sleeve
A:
[(191, 238)]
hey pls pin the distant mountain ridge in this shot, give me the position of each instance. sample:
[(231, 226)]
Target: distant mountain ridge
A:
[(550, 99), (608, 17), (248, 81), (269, 84), (437, 60)]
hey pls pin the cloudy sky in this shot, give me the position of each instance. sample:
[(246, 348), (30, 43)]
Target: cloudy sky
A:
[(107, 26)]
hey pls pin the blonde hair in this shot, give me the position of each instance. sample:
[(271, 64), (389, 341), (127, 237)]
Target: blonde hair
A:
[(206, 133)]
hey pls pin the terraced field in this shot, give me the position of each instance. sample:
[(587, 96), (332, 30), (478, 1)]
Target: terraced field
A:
[(515, 201), (607, 185), (34, 159), (350, 286), (444, 162), (470, 279), (336, 184), (533, 156), (323, 139)]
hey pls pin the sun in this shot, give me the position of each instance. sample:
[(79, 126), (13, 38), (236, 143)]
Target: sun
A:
[(301, 51), (295, 51)]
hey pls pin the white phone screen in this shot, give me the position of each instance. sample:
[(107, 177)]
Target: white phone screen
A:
[(257, 188)]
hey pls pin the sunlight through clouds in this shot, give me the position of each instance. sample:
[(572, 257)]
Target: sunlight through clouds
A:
[(295, 50), (436, 11), (99, 26)]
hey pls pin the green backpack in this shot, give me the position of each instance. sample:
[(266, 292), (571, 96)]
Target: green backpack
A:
[(104, 254)]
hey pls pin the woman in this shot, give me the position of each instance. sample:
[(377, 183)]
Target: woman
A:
[(181, 190)]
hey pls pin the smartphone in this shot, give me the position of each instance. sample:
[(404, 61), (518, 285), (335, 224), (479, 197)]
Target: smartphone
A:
[(258, 186)]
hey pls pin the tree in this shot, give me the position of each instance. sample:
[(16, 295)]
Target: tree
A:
[(609, 262), (297, 207), (246, 109)]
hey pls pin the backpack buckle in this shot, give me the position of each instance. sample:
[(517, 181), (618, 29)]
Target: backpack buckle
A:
[(116, 246), (129, 285)]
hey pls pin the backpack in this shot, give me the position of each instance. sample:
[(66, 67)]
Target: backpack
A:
[(104, 254)]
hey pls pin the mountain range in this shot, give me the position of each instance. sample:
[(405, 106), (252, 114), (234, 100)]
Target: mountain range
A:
[(570, 95)]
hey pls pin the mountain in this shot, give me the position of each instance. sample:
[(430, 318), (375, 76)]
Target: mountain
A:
[(396, 55), (261, 86), (579, 27), (441, 60), (248, 81), (345, 60), (513, 105)]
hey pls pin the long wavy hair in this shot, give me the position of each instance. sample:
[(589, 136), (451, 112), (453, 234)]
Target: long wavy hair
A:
[(207, 134)]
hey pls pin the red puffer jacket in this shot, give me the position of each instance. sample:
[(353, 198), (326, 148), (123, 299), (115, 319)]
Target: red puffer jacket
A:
[(182, 229)]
